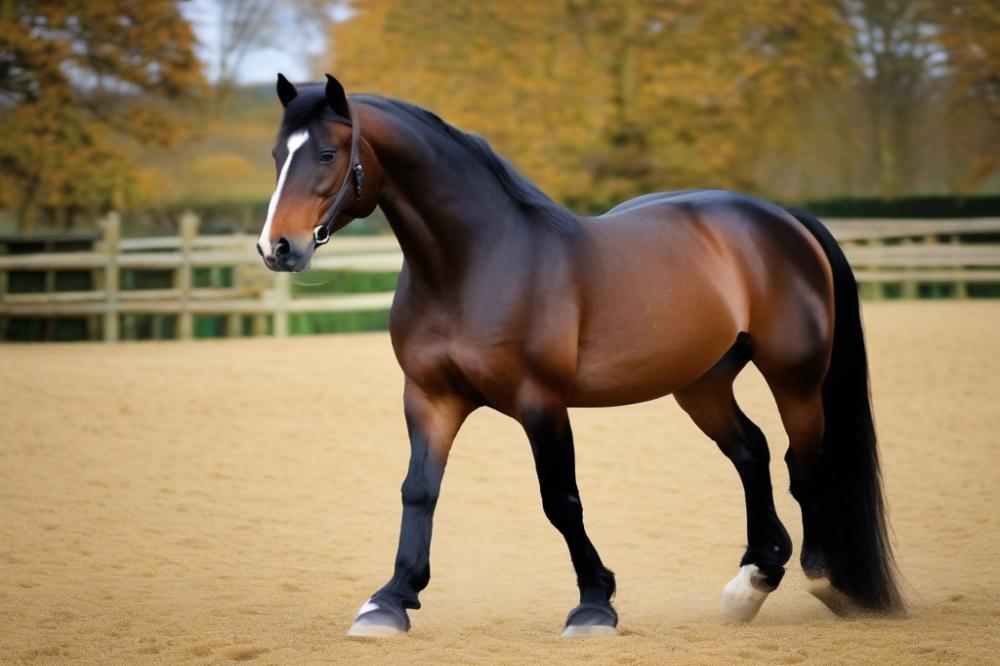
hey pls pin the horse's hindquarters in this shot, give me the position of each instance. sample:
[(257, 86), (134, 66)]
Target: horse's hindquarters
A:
[(668, 287)]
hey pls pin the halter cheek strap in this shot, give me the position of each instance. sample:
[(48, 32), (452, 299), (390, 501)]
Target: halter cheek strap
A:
[(355, 176)]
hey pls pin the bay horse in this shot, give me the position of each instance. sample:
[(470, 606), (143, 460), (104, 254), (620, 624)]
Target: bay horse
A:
[(509, 301)]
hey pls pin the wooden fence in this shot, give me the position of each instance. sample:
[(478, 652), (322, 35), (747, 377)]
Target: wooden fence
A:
[(255, 291), (910, 253), (883, 252)]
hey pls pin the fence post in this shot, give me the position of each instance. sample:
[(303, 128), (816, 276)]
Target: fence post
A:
[(112, 235), (234, 325), (910, 289), (961, 287), (3, 297), (876, 288), (282, 294), (184, 278), (234, 320)]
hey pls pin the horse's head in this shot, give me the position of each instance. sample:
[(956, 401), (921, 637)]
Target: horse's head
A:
[(327, 174)]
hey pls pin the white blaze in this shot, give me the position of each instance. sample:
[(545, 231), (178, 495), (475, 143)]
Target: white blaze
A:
[(294, 142)]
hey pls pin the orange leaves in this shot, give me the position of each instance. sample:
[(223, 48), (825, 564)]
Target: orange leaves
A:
[(71, 76), (596, 101)]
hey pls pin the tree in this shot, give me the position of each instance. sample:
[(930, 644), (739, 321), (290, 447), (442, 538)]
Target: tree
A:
[(919, 110), (599, 101), (895, 47), (84, 84), (244, 26), (248, 26), (970, 36)]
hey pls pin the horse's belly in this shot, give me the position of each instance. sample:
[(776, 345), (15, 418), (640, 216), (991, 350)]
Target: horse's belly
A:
[(640, 343), (626, 372), (664, 299)]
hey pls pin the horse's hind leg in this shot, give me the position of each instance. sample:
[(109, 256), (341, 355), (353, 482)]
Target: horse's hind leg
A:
[(712, 406), (797, 389), (803, 418)]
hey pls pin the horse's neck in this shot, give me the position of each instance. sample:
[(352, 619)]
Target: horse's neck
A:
[(442, 204)]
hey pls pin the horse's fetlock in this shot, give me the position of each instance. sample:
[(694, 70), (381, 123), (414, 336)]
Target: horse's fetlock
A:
[(417, 493), (771, 575), (598, 587), (606, 578)]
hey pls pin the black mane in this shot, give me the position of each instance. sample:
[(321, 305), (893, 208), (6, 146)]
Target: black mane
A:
[(311, 102)]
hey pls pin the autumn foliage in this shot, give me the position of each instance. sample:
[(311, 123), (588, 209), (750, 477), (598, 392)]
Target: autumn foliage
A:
[(599, 101), (84, 85), (595, 100)]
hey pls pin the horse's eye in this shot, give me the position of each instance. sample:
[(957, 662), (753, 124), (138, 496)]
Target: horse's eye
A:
[(327, 156)]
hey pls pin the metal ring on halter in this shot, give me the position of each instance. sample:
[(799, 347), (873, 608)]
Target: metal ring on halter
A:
[(321, 234)]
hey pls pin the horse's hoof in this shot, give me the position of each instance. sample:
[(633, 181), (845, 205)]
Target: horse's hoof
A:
[(838, 602), (593, 631), (364, 629), (375, 621), (590, 620), (741, 598)]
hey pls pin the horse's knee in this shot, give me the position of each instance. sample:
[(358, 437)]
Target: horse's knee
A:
[(418, 491), (563, 509)]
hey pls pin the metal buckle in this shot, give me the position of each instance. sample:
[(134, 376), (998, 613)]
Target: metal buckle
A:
[(359, 179), (321, 234)]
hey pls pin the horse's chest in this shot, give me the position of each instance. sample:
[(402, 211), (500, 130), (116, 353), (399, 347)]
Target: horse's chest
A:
[(486, 369), (485, 342)]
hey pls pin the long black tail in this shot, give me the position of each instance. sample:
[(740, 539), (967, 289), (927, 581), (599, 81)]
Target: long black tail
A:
[(848, 486)]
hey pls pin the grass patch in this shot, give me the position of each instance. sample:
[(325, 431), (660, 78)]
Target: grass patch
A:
[(320, 283), (309, 323)]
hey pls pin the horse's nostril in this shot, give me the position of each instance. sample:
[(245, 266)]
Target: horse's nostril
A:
[(260, 250), (282, 247)]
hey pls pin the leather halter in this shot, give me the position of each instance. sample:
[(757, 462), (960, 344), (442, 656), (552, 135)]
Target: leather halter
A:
[(355, 175)]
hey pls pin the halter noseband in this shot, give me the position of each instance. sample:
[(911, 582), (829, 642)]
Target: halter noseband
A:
[(355, 173)]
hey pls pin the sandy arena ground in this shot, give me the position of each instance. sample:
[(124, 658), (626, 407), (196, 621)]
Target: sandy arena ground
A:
[(228, 501)]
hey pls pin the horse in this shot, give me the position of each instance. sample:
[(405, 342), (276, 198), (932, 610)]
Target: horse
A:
[(507, 300)]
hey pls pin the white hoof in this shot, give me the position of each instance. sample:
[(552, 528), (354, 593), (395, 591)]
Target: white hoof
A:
[(595, 631), (741, 600), (368, 630), (838, 602)]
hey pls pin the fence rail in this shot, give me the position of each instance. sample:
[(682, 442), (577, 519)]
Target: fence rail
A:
[(904, 252)]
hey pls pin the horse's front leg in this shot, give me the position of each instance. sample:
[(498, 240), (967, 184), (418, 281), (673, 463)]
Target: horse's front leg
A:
[(547, 425), (432, 424)]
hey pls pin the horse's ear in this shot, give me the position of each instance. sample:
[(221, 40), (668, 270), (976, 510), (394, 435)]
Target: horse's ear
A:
[(336, 97), (286, 91)]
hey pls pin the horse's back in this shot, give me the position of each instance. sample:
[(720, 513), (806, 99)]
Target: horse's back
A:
[(756, 238), (654, 198), (701, 200)]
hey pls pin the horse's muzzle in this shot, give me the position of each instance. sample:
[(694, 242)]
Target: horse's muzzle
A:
[(286, 257)]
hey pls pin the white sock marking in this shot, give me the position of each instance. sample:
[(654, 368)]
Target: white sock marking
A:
[(295, 141), (740, 599)]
